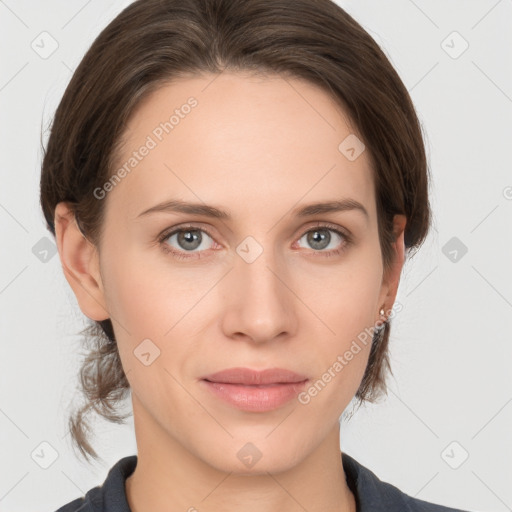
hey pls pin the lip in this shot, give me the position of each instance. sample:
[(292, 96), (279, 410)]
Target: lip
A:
[(250, 377), (253, 390)]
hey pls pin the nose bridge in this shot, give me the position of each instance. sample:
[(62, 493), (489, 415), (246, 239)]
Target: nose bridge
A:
[(262, 306)]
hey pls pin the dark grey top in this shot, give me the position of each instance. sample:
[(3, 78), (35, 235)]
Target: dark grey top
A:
[(371, 494)]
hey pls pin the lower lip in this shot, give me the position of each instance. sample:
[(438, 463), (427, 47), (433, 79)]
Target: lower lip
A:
[(256, 398)]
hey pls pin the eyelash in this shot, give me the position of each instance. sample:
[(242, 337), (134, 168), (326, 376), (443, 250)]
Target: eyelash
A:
[(183, 228)]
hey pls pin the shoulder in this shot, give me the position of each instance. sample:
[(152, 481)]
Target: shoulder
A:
[(110, 496), (372, 494)]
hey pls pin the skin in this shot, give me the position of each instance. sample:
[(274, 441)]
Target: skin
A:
[(258, 147)]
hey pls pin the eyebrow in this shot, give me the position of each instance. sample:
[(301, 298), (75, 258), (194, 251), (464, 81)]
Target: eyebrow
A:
[(176, 205)]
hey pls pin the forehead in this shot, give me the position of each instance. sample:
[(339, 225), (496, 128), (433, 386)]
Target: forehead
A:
[(249, 143)]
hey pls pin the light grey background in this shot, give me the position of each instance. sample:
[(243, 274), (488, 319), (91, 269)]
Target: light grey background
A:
[(451, 350)]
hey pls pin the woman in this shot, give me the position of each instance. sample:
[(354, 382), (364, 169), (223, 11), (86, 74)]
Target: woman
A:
[(234, 187)]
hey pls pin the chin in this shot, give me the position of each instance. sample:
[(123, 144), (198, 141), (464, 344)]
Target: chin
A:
[(252, 458)]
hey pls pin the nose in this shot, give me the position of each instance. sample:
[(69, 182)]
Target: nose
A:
[(260, 306)]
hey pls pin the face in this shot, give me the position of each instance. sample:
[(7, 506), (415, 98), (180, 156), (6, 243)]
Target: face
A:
[(191, 293)]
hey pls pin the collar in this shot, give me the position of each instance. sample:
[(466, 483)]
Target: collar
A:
[(371, 494)]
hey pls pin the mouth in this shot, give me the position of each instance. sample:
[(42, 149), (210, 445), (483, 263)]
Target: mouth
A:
[(253, 390), (249, 377)]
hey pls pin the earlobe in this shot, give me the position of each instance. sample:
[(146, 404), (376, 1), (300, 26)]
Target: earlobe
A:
[(391, 279), (80, 263)]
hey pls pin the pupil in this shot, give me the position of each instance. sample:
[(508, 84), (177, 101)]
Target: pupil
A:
[(189, 237), (318, 236)]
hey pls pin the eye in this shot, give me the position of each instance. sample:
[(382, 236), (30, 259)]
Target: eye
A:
[(189, 239), (192, 239), (320, 238)]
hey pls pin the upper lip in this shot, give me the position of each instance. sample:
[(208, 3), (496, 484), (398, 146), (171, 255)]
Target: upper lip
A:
[(254, 377)]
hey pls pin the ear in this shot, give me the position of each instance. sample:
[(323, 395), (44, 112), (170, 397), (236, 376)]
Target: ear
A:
[(80, 262), (391, 278)]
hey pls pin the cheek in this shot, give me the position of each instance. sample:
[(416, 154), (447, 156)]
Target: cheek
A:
[(342, 352), (344, 296), (143, 293), (345, 300), (155, 301), (153, 330)]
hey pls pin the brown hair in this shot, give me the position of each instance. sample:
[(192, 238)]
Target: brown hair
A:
[(150, 43)]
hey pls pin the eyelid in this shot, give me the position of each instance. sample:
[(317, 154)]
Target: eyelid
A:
[(325, 224)]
